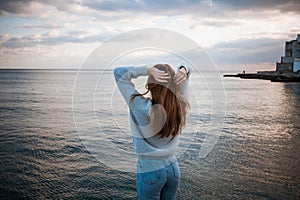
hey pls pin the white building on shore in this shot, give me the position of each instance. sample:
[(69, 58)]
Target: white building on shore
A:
[(290, 62)]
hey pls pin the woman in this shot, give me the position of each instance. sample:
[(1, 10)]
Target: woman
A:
[(155, 124)]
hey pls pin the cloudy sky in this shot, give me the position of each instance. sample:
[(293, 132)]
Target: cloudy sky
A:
[(237, 34)]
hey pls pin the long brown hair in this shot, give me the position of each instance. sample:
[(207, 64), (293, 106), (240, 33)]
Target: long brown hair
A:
[(166, 96)]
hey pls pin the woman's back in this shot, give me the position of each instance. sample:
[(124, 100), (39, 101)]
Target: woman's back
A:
[(155, 125)]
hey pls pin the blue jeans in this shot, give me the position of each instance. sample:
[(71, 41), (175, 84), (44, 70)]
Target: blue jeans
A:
[(160, 183)]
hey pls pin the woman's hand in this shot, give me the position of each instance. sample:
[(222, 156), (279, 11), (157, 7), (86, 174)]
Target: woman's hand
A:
[(158, 75), (180, 76)]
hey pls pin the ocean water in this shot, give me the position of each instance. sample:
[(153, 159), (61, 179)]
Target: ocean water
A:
[(50, 149)]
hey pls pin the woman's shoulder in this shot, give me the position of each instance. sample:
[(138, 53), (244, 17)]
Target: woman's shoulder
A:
[(140, 104)]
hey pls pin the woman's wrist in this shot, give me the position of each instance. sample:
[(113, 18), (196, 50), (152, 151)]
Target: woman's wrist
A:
[(184, 70), (149, 71)]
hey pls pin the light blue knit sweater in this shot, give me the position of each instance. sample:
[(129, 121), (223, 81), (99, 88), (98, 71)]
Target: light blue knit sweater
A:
[(145, 144)]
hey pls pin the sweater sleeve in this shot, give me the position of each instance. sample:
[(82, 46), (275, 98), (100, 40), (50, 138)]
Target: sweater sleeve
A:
[(184, 87), (123, 78)]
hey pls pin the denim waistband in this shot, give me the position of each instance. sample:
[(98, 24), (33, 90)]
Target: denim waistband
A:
[(147, 164)]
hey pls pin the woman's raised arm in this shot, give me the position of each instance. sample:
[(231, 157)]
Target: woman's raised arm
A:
[(123, 76), (181, 78)]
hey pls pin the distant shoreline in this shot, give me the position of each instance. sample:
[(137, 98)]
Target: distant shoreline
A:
[(273, 76), (50, 69)]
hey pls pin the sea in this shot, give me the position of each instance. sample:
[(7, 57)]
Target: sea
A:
[(64, 134)]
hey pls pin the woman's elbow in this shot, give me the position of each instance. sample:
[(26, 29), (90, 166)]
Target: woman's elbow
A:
[(118, 73)]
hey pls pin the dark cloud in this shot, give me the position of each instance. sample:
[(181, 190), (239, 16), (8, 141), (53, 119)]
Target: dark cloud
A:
[(159, 7), (15, 6), (248, 51), (259, 5), (137, 6), (42, 26), (50, 39)]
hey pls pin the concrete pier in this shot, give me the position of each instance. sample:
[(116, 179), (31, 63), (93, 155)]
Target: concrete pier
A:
[(273, 76), (287, 70)]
